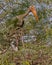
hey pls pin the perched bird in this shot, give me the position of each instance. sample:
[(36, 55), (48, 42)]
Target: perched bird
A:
[(19, 23)]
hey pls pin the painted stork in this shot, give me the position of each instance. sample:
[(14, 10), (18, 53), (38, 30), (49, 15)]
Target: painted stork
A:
[(20, 23), (21, 20)]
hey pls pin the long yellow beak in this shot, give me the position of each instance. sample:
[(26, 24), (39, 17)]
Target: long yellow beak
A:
[(33, 10)]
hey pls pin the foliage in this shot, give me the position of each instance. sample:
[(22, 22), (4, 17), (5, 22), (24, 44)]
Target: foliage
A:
[(41, 49)]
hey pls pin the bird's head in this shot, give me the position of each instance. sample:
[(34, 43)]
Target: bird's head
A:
[(33, 10)]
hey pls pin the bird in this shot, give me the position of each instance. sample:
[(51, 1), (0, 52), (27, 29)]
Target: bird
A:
[(19, 22)]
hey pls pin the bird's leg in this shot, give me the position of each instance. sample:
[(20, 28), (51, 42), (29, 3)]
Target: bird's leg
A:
[(17, 40), (21, 37), (22, 33), (14, 43)]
